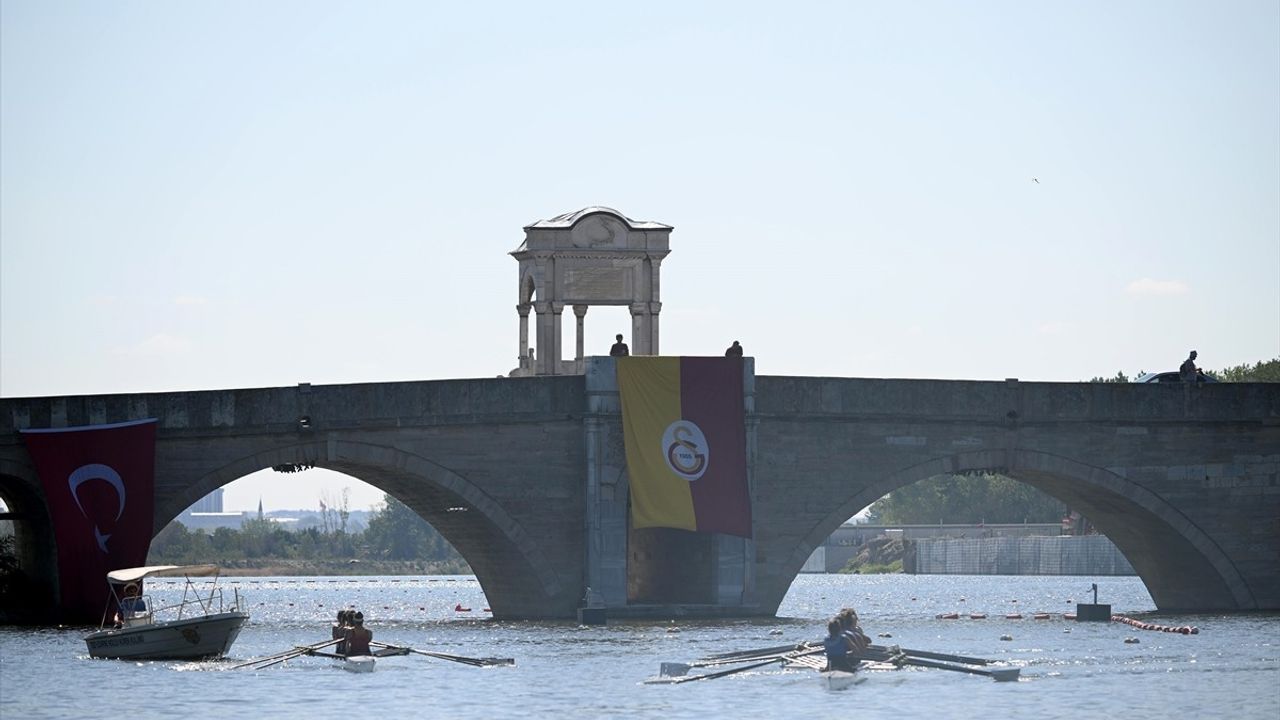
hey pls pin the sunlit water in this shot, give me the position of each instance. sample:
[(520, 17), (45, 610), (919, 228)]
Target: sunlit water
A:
[(1231, 669)]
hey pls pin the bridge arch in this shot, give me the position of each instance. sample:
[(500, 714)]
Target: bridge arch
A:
[(501, 552), (34, 542), (1180, 564)]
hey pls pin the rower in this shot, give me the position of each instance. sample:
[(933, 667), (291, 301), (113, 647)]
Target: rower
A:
[(339, 631), (358, 636), (836, 645), (858, 640)]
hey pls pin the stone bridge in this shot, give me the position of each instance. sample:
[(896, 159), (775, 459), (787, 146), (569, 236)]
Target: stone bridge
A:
[(526, 476)]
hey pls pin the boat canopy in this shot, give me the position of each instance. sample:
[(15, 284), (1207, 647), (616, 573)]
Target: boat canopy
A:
[(128, 575)]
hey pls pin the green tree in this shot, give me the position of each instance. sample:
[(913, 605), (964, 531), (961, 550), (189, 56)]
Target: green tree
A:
[(172, 545), (397, 533), (233, 544), (968, 499), (1119, 378), (1267, 372)]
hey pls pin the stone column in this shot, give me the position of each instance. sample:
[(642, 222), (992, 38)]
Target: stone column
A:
[(543, 350), (557, 353), (654, 309), (523, 309), (640, 328), (580, 311)]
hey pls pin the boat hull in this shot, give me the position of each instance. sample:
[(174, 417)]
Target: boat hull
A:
[(839, 679), (195, 638), (358, 663)]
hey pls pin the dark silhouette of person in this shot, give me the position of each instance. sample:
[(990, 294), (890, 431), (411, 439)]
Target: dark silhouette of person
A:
[(619, 348), (358, 636), (1187, 371), (339, 630), (735, 350), (837, 649)]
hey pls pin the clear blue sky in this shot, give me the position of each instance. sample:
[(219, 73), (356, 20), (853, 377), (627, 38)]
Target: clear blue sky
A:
[(248, 194)]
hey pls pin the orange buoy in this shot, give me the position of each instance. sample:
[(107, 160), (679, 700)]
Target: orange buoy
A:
[(1068, 616), (977, 616), (1041, 616), (1013, 616)]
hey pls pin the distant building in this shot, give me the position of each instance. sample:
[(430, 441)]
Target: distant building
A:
[(207, 514), (211, 503)]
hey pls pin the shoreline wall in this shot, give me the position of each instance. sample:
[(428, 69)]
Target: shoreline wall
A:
[(1059, 555)]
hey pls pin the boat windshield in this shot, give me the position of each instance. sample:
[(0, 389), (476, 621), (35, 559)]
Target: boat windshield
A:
[(133, 606)]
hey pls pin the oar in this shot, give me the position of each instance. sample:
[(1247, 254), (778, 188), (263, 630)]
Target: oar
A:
[(999, 675), (930, 655), (476, 662), (748, 655), (318, 653), (756, 653), (299, 650), (299, 653), (708, 676), (677, 669)]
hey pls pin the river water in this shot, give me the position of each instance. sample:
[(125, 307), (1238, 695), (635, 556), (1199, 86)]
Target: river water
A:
[(1231, 669)]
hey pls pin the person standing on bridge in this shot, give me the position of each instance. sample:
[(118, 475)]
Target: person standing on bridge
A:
[(619, 348), (1187, 371)]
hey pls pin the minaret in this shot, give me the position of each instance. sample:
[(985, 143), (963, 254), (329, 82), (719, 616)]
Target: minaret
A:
[(259, 507)]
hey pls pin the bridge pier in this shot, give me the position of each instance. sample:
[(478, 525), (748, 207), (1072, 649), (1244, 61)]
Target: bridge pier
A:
[(654, 571)]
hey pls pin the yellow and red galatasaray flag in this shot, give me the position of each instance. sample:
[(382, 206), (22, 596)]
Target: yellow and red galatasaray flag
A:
[(685, 429)]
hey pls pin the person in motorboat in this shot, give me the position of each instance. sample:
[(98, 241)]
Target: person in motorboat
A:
[(837, 647), (357, 637), (131, 604)]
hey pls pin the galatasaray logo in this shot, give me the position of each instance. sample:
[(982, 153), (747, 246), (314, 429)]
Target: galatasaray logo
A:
[(685, 448)]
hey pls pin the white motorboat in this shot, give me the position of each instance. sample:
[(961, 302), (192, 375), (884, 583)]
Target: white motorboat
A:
[(198, 626)]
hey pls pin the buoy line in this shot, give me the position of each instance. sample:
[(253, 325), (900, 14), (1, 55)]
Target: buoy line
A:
[(1181, 629)]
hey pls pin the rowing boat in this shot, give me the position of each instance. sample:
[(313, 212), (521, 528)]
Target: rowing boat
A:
[(839, 679), (357, 663)]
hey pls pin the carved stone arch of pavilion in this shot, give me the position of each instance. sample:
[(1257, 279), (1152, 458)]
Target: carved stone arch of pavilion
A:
[(501, 552), (1189, 567), (592, 256)]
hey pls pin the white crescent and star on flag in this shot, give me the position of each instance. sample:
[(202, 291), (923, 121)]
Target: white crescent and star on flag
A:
[(97, 471)]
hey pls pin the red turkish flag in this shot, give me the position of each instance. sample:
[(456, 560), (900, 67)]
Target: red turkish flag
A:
[(99, 482)]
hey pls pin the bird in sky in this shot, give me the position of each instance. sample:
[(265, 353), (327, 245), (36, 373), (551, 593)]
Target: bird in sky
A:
[(1036, 181)]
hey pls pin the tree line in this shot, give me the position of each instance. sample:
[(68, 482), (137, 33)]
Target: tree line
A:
[(394, 533), (1268, 372), (969, 498)]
